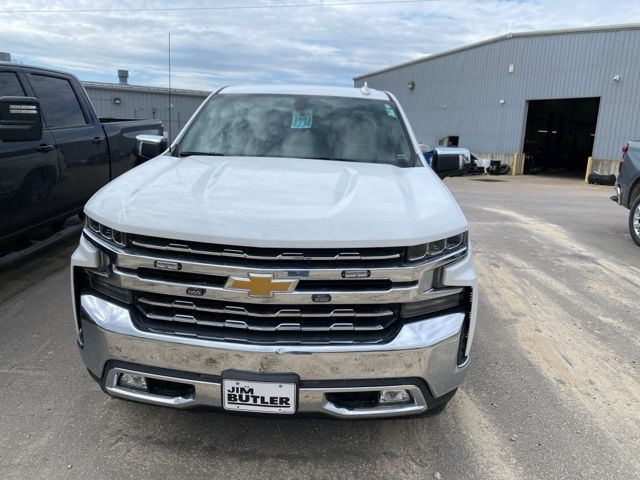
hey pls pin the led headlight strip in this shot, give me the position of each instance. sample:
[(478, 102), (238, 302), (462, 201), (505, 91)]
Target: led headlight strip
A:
[(433, 249), (107, 233)]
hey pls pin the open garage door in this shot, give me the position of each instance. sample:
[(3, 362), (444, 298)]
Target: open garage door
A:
[(559, 135)]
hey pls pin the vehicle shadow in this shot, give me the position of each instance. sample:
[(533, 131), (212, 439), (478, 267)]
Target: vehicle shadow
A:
[(290, 439)]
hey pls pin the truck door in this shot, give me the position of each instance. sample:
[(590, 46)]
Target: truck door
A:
[(30, 188), (82, 145)]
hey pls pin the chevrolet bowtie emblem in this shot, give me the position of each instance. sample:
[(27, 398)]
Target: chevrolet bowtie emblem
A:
[(260, 284)]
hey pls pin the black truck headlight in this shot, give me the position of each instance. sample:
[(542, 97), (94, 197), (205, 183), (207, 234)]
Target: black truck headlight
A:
[(433, 249)]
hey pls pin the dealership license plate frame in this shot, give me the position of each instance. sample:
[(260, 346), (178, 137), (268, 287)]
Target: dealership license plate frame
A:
[(265, 387)]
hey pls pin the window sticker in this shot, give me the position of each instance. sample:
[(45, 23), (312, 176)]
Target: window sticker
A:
[(303, 119), (389, 110)]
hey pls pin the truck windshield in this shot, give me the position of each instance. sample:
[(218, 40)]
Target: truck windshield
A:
[(295, 126)]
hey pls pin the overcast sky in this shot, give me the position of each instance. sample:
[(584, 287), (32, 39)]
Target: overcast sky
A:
[(314, 44)]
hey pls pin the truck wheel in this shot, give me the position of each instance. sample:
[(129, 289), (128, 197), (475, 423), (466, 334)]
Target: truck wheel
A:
[(634, 221)]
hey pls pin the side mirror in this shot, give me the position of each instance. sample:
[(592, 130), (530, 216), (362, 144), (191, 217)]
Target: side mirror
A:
[(20, 119), (447, 164), (150, 146)]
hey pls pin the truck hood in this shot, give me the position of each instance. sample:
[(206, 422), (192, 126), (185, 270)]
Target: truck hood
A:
[(279, 202)]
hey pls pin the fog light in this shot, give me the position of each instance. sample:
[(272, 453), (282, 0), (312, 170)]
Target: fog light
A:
[(133, 381), (391, 397)]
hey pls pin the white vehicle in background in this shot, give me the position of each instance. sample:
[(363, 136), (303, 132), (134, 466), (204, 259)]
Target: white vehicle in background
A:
[(291, 252)]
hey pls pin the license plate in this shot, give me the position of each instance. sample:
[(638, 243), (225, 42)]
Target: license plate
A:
[(263, 397)]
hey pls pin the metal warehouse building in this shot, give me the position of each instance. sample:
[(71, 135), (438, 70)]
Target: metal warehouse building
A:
[(122, 100), (540, 101)]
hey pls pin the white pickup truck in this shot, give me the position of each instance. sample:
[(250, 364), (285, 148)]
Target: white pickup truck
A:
[(290, 253)]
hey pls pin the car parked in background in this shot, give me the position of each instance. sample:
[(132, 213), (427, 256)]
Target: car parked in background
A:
[(55, 152), (628, 187)]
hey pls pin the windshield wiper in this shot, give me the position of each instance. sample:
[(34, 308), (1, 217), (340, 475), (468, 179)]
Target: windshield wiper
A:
[(208, 154)]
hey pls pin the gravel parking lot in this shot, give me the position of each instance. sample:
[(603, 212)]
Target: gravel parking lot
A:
[(553, 390)]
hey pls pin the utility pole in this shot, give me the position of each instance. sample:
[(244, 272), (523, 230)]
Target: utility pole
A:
[(170, 105)]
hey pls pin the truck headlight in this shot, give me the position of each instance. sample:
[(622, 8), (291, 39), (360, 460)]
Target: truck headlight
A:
[(108, 233), (433, 249)]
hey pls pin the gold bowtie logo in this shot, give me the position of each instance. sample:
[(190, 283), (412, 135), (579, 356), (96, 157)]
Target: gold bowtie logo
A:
[(260, 284)]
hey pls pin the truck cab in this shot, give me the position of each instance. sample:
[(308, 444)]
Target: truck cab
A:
[(55, 153)]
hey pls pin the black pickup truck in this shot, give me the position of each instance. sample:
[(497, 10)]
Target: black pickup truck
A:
[(55, 152), (628, 187)]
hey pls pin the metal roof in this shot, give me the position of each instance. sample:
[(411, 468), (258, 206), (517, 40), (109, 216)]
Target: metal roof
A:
[(508, 36), (115, 86), (140, 88)]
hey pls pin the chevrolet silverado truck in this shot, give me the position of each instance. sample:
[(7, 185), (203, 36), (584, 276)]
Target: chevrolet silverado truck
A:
[(628, 187), (291, 252), (55, 152)]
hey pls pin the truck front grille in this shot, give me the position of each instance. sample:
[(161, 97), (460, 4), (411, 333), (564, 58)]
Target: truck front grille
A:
[(206, 290), (264, 323), (239, 255)]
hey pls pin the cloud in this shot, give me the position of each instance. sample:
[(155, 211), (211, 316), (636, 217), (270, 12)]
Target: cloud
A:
[(319, 45)]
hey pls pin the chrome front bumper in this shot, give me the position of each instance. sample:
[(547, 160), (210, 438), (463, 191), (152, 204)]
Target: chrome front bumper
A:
[(422, 358)]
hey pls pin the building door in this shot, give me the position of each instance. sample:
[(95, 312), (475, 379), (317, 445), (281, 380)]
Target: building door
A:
[(559, 135)]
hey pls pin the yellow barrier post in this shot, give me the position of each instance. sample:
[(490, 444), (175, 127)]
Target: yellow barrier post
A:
[(589, 169), (517, 164)]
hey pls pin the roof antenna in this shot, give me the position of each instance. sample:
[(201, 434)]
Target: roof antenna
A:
[(365, 89)]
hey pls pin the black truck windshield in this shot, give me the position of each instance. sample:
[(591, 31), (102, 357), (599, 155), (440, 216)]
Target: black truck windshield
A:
[(299, 126)]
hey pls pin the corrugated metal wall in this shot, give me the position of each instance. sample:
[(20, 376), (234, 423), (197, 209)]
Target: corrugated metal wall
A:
[(143, 104), (460, 93)]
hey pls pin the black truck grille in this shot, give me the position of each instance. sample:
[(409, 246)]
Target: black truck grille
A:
[(240, 255), (258, 323)]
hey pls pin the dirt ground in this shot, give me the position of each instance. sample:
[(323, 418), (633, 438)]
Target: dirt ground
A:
[(553, 389)]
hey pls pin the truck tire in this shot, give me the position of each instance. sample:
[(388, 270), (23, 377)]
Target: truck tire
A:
[(634, 221)]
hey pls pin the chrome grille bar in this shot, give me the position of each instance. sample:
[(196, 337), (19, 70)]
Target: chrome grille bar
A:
[(395, 294)]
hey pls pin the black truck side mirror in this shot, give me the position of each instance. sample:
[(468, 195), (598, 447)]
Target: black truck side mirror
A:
[(447, 164), (150, 146), (20, 119)]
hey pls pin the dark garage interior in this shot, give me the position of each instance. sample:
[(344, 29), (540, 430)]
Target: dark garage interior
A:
[(559, 135)]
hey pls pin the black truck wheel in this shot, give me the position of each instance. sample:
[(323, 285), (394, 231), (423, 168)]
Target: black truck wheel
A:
[(634, 220)]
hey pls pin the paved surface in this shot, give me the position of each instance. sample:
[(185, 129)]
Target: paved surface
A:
[(553, 390)]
